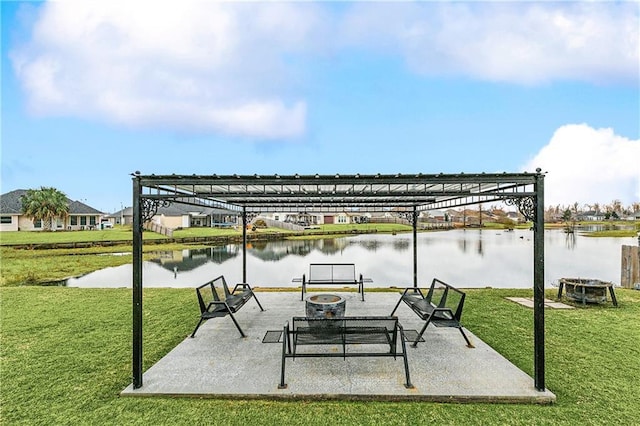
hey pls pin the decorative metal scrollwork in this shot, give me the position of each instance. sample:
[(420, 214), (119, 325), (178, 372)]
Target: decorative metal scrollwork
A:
[(526, 206), (408, 216), (251, 215), (150, 207)]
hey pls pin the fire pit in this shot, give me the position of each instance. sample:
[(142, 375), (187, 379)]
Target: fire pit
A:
[(587, 290), (325, 306)]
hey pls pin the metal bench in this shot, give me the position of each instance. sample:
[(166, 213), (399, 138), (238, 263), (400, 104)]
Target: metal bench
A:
[(382, 333), (441, 306), (213, 306), (332, 274)]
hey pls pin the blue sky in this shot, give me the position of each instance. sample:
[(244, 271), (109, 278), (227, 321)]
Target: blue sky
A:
[(93, 91)]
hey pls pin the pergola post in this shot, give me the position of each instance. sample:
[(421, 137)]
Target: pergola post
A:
[(414, 216), (538, 283), (137, 282), (244, 244)]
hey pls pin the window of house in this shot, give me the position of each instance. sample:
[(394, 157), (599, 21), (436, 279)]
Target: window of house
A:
[(342, 219), (92, 220), (5, 219), (59, 223), (74, 220), (83, 220), (37, 223)]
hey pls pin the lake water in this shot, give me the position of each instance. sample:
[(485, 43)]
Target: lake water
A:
[(464, 258)]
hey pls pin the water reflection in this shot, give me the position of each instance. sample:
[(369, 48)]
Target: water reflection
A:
[(582, 227), (570, 240), (469, 258), (472, 239), (402, 244), (479, 249), (186, 260)]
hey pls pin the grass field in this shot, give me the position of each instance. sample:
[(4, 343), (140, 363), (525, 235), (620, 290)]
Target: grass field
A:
[(66, 355), (118, 233), (123, 233)]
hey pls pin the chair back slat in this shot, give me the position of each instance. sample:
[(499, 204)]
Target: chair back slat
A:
[(451, 298), (221, 282), (332, 272), (206, 294)]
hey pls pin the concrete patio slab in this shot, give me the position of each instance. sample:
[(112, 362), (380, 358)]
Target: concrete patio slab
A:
[(219, 363)]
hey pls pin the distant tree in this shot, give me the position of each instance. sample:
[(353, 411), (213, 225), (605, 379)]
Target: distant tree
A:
[(505, 222), (616, 206), (566, 216), (549, 214), (45, 204), (575, 207)]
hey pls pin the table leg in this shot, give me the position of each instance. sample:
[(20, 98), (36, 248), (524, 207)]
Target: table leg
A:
[(560, 290), (613, 296)]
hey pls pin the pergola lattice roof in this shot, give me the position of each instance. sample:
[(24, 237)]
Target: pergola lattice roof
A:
[(331, 192)]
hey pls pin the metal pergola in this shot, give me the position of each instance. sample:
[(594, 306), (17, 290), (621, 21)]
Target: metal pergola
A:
[(406, 194)]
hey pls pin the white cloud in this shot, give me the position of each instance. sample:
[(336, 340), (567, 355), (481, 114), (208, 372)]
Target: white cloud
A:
[(236, 67), (516, 42), (197, 66), (588, 165)]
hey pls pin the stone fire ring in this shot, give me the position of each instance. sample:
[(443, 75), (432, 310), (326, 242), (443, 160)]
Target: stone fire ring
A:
[(325, 306)]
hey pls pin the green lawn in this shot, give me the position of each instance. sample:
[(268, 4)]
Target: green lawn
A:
[(66, 355), (33, 267), (123, 233), (119, 233)]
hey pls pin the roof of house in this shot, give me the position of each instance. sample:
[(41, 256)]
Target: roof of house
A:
[(591, 213), (11, 203), (127, 211)]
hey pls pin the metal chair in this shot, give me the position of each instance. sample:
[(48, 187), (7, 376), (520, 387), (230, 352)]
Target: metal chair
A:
[(212, 306)]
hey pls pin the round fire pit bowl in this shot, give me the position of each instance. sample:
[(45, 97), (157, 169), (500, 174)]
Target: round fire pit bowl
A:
[(587, 290), (325, 306)]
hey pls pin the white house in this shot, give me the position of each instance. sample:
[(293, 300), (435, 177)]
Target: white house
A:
[(81, 216), (187, 216)]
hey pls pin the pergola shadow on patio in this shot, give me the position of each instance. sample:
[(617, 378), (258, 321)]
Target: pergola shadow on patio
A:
[(405, 194), (218, 363)]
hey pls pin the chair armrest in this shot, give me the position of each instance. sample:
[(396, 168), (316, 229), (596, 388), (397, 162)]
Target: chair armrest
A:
[(418, 290), (244, 286), (218, 303), (443, 310)]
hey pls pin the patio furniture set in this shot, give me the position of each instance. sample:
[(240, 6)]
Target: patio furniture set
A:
[(325, 324)]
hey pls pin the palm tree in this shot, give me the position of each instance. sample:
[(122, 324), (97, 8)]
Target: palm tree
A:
[(45, 204)]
